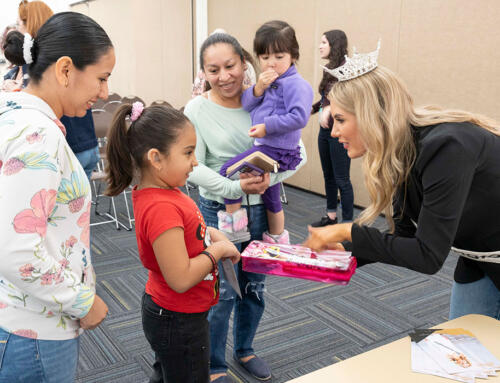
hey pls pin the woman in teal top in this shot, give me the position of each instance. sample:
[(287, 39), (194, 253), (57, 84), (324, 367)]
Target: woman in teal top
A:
[(222, 132)]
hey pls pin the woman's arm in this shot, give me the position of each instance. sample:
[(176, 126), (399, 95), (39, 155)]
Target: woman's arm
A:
[(29, 183), (448, 168)]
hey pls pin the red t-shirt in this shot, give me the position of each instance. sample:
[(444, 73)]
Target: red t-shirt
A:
[(156, 211)]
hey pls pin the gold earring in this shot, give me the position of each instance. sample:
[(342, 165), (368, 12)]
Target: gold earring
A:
[(66, 84)]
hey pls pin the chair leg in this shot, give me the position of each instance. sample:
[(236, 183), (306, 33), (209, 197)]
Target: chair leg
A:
[(130, 220), (284, 200)]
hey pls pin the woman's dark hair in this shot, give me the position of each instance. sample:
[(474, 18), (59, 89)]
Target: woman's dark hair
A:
[(13, 46), (220, 38), (158, 127), (64, 34), (337, 40), (276, 37)]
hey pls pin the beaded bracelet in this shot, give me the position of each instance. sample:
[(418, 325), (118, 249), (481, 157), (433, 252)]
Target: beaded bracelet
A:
[(212, 259)]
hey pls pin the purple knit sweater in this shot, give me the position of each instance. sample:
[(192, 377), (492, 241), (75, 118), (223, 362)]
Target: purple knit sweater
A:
[(284, 108)]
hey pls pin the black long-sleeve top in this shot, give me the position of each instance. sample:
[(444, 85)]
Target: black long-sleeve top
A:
[(453, 195)]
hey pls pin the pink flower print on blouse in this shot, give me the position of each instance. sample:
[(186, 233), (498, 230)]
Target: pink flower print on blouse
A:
[(27, 160), (35, 220), (3, 305), (59, 277), (47, 278), (26, 270), (71, 241), (72, 192), (84, 223), (27, 333), (35, 137)]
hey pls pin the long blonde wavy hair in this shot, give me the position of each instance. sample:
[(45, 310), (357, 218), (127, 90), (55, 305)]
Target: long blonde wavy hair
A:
[(384, 112)]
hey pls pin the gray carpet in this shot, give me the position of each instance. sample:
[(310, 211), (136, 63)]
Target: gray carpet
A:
[(306, 325)]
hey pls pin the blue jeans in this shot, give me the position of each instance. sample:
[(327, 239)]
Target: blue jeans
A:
[(249, 309), (336, 165), (88, 159), (479, 297), (34, 360)]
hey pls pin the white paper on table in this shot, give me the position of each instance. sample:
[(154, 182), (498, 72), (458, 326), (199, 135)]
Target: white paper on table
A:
[(473, 346), (448, 356), (467, 344), (421, 362)]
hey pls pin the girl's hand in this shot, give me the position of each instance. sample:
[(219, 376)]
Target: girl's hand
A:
[(254, 184), (324, 117), (328, 237), (257, 131), (216, 235), (265, 80), (224, 249)]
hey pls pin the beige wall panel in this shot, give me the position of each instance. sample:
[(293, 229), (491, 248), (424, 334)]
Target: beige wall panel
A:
[(449, 53), (115, 16), (152, 40)]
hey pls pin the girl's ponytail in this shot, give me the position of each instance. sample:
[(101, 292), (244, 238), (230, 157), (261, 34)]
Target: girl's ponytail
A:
[(120, 166)]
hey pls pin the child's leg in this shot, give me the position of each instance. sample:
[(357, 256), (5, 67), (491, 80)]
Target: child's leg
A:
[(180, 341), (275, 216), (276, 222), (234, 218)]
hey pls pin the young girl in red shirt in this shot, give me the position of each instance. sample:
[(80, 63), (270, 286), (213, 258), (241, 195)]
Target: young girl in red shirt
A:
[(175, 245)]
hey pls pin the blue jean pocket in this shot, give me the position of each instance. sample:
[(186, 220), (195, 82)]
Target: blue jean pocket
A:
[(4, 338)]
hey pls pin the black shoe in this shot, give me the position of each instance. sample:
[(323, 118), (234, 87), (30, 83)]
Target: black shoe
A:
[(324, 221)]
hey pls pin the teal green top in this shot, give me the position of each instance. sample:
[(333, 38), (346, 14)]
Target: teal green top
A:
[(221, 134)]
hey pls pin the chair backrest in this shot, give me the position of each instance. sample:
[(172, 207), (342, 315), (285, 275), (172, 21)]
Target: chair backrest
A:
[(132, 99), (102, 122), (99, 104), (161, 102), (113, 97), (111, 106)]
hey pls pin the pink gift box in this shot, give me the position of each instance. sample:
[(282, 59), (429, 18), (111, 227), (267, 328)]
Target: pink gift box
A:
[(330, 266)]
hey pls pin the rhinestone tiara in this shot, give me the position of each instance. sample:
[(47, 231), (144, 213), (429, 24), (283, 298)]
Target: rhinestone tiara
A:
[(355, 66)]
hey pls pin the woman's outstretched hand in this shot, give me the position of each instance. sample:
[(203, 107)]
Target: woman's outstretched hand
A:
[(328, 237), (251, 184)]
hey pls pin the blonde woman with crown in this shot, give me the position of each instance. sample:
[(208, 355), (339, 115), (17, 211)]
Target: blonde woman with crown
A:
[(435, 175)]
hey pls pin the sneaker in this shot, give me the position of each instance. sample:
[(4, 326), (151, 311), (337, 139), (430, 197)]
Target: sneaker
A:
[(282, 239), (240, 220), (324, 221), (256, 367), (225, 221)]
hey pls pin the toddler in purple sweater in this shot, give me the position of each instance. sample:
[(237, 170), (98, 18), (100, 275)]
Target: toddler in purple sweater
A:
[(279, 105)]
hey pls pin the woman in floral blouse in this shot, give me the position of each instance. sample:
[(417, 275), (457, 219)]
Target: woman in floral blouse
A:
[(47, 283)]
